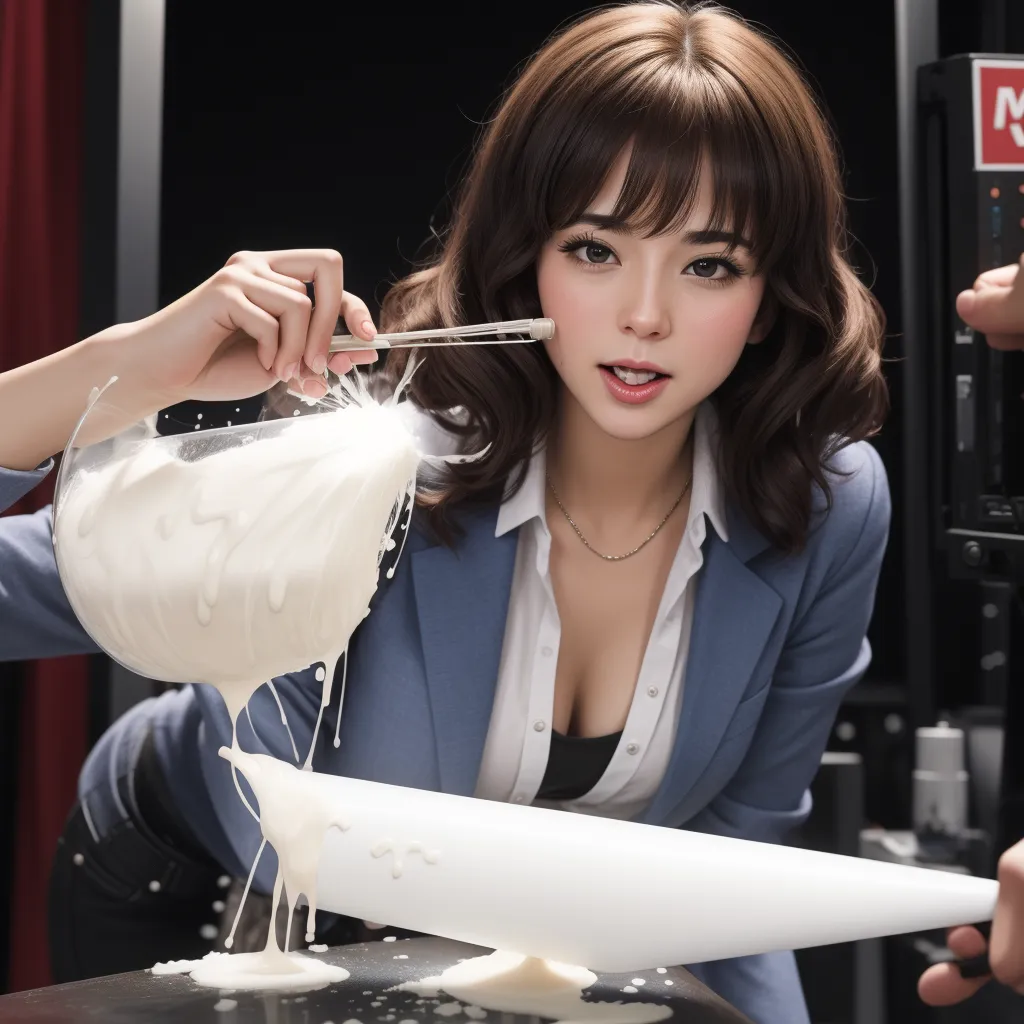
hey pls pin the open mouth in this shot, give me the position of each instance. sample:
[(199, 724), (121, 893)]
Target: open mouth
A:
[(634, 378)]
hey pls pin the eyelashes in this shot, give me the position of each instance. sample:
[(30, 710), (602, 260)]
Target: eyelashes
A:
[(576, 242)]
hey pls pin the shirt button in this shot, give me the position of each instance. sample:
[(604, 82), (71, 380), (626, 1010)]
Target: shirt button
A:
[(632, 748), (546, 651), (539, 726), (652, 691)]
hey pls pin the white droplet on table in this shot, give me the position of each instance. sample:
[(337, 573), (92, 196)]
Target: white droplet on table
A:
[(669, 981), (389, 938), (629, 988), (225, 1005), (662, 970), (401, 956), (639, 981), (154, 886)]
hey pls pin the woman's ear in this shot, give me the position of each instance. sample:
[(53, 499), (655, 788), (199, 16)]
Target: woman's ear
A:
[(765, 319)]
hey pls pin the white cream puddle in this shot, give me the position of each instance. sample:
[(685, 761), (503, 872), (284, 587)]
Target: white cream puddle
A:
[(512, 983)]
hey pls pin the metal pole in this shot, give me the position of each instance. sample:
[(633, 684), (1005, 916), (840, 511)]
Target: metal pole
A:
[(917, 43), (140, 132), (139, 144)]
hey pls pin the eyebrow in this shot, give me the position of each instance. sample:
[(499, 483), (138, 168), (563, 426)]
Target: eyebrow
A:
[(608, 223)]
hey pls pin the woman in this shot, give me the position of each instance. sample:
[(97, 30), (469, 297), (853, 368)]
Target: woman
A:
[(650, 597)]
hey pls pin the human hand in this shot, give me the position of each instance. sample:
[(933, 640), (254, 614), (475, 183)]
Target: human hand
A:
[(943, 985), (243, 329), (995, 306)]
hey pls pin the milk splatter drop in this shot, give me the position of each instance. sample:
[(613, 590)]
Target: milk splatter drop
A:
[(398, 855)]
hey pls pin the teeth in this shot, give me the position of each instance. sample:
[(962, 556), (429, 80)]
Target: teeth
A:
[(633, 376)]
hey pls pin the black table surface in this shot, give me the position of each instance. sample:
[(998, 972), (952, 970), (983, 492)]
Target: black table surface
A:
[(374, 967)]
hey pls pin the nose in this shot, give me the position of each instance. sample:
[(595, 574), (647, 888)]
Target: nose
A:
[(645, 312)]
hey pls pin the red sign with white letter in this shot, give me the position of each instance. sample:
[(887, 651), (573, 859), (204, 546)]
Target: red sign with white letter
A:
[(999, 115)]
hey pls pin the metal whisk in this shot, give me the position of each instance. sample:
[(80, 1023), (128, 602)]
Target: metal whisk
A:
[(537, 329)]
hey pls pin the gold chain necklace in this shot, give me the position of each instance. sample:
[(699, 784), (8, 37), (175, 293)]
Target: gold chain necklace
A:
[(640, 546)]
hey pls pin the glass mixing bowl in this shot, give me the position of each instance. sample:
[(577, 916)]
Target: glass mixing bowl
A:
[(234, 554)]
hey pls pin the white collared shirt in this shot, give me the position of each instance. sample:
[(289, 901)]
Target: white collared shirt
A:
[(519, 737)]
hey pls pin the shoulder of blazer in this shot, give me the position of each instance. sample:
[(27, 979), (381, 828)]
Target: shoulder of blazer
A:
[(860, 507)]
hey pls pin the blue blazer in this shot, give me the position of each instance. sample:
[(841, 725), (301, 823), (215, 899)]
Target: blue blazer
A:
[(777, 641)]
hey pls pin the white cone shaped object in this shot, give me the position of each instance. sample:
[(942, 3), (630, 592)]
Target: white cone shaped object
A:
[(612, 896)]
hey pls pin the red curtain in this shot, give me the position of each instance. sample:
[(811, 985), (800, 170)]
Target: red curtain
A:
[(42, 51)]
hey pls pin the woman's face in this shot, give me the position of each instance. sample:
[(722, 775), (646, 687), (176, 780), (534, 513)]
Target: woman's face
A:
[(645, 328)]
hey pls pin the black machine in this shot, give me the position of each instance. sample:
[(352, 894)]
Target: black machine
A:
[(971, 161), (972, 124)]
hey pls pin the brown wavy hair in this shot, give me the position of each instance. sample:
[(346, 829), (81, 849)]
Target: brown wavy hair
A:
[(685, 86)]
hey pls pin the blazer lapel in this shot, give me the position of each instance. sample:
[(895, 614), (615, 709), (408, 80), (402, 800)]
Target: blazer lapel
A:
[(734, 614), (462, 597)]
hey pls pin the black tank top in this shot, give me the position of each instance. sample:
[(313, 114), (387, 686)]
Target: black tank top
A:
[(575, 764)]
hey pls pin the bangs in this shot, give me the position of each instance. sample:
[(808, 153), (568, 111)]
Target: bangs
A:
[(683, 119)]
